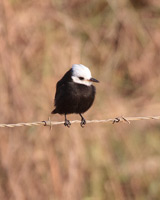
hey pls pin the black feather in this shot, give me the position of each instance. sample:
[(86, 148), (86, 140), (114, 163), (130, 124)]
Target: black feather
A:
[(72, 97)]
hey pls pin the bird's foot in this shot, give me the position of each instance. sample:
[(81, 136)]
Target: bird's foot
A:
[(83, 122), (67, 123)]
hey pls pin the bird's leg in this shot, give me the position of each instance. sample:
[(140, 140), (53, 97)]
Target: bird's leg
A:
[(67, 122), (83, 121)]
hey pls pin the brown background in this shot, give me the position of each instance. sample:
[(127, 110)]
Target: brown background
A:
[(120, 42)]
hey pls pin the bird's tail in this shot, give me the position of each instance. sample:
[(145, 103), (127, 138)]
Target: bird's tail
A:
[(54, 111)]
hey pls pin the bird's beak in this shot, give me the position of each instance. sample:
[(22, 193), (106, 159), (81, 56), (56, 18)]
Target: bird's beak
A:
[(93, 80)]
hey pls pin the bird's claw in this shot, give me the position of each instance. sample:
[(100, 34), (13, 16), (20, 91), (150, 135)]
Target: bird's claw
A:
[(83, 122), (67, 123)]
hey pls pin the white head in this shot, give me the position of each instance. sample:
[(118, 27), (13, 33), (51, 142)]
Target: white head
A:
[(82, 75)]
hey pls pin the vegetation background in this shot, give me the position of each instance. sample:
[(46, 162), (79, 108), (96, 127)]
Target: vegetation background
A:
[(120, 42)]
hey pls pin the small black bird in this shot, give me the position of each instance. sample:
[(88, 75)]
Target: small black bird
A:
[(75, 93)]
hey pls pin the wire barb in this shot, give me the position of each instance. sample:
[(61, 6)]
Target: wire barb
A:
[(120, 119)]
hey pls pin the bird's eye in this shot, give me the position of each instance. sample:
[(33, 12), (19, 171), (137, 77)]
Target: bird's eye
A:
[(81, 78)]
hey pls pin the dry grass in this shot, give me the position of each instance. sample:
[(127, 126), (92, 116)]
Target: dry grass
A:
[(120, 42)]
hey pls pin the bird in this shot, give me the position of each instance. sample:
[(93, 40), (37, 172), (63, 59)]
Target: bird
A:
[(75, 93)]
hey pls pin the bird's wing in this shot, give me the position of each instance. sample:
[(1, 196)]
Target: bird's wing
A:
[(60, 92), (65, 95), (61, 86), (66, 78)]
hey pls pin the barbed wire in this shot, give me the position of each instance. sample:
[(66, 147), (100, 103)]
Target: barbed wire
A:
[(53, 123)]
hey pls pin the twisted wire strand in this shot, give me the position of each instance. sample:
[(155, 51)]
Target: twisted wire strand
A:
[(53, 123)]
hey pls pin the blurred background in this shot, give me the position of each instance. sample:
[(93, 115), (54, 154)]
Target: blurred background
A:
[(120, 42)]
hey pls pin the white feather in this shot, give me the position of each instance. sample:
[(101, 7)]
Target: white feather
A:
[(79, 70)]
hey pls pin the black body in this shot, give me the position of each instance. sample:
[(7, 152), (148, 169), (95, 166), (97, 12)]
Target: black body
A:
[(72, 97)]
